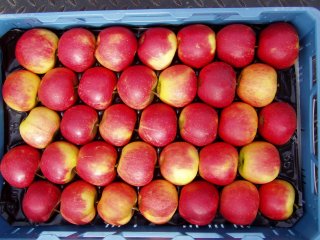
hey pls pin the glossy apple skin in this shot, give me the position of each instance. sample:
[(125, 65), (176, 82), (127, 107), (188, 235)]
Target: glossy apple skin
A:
[(277, 122), (40, 200), (19, 165), (239, 202), (196, 45), (117, 202), (117, 124), (236, 45), (152, 122), (76, 49), (158, 201), (57, 90), (116, 48), (96, 163), (20, 89), (198, 124), (218, 163), (79, 124), (36, 50), (278, 45)]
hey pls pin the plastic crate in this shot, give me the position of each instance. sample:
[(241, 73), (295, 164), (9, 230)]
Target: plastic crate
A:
[(306, 21)]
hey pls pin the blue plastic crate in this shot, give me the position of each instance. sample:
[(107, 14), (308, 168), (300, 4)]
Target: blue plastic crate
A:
[(307, 22)]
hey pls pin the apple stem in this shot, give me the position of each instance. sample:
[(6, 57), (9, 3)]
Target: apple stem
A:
[(115, 92), (135, 209), (156, 94), (40, 176), (115, 166), (56, 210)]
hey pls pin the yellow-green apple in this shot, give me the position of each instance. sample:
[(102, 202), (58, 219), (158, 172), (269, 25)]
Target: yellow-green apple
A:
[(277, 122), (36, 50), (236, 44), (196, 45), (259, 162), (19, 165), (39, 127), (57, 89), (116, 48), (278, 45), (117, 124), (79, 124), (76, 49), (158, 201), (218, 163), (156, 47), (177, 85), (137, 163), (117, 203), (238, 124), (179, 163), (217, 84), (40, 201), (158, 125), (96, 163), (239, 202), (96, 87), (78, 202), (277, 199), (257, 84), (198, 124), (58, 162)]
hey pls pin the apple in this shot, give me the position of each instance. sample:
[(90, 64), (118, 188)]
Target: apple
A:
[(198, 124), (137, 163), (177, 85), (36, 50), (117, 203), (152, 122), (76, 49), (116, 48), (196, 45), (158, 201), (239, 202), (96, 163), (218, 163), (278, 45), (117, 124), (20, 89), (238, 124)]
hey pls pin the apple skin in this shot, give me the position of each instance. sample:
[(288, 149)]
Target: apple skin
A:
[(78, 203), (236, 44), (96, 163), (137, 163), (76, 49), (117, 124), (40, 200), (39, 127), (158, 201), (116, 48), (79, 124), (58, 162), (117, 202), (278, 45), (239, 202), (152, 122), (198, 124), (136, 85), (218, 163), (36, 50), (196, 45), (157, 47), (19, 165), (20, 89), (277, 199), (177, 85), (277, 122), (57, 90), (179, 163)]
